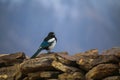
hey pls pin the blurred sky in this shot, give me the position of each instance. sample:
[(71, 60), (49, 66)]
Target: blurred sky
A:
[(79, 24)]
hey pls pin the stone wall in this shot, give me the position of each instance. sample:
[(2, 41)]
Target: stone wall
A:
[(89, 65)]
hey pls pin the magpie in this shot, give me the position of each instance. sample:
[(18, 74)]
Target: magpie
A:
[(48, 43)]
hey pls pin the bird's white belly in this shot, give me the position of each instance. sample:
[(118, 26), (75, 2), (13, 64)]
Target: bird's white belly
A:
[(52, 45)]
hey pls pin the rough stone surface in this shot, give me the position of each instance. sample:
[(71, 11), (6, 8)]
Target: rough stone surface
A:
[(11, 59), (10, 73), (112, 78), (113, 51), (66, 59), (63, 67), (71, 76), (52, 79), (37, 64), (44, 74), (62, 57), (88, 65), (101, 71), (3, 54), (89, 52), (88, 62)]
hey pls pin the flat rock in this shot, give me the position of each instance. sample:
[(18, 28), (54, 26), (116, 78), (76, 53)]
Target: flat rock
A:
[(3, 54), (44, 74), (52, 79), (87, 62), (12, 59), (101, 71), (66, 59), (37, 64), (51, 54), (113, 51), (10, 73), (89, 52), (61, 57), (112, 78), (59, 66), (71, 76), (62, 53)]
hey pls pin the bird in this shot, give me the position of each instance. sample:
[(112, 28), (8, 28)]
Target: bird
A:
[(48, 44)]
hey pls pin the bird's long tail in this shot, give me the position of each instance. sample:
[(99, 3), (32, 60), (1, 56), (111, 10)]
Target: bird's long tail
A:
[(37, 52)]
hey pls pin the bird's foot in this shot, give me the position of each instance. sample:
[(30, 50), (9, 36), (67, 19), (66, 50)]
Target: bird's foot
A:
[(51, 52)]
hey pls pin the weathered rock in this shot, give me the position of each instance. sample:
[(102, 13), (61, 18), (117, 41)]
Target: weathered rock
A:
[(10, 73), (71, 76), (112, 78), (113, 51), (64, 68), (119, 67), (88, 62), (11, 59), (26, 78), (52, 79), (101, 71), (62, 53), (46, 55), (3, 54), (51, 54), (45, 75), (89, 52), (66, 59), (37, 64), (63, 57), (88, 65)]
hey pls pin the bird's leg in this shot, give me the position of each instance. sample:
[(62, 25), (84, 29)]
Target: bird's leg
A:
[(48, 51)]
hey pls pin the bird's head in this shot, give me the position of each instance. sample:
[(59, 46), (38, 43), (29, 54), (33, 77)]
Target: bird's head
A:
[(51, 34)]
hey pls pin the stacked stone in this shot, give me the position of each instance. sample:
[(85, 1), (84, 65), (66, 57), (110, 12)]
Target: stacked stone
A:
[(89, 65)]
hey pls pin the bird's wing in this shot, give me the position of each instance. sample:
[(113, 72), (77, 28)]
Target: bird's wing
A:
[(45, 44), (51, 40)]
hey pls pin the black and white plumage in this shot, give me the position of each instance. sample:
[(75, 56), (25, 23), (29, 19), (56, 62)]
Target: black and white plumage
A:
[(48, 43)]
